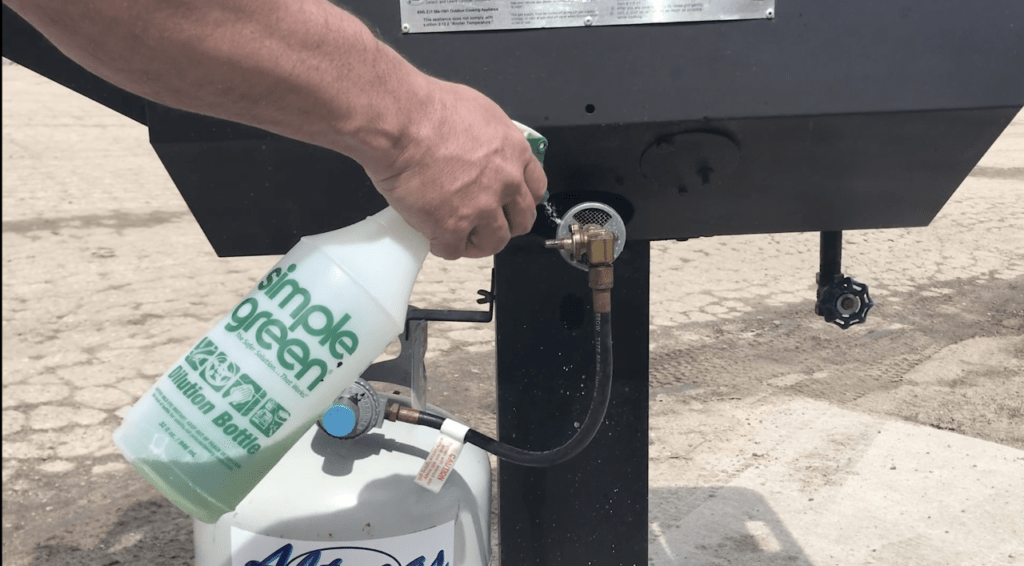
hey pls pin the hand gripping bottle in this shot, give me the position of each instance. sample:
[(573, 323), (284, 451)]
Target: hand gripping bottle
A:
[(229, 409)]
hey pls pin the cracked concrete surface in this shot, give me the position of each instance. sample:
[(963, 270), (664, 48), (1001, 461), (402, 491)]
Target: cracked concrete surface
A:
[(774, 438)]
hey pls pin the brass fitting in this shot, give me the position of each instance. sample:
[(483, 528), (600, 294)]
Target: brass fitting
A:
[(574, 243), (601, 280), (396, 412), (600, 244), (594, 243), (600, 254)]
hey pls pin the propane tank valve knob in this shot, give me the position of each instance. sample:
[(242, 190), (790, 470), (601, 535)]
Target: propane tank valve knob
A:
[(340, 420), (355, 412)]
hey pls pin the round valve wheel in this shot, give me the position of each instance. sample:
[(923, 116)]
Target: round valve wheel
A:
[(844, 302)]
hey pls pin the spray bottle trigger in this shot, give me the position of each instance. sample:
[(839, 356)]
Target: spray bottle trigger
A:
[(538, 144)]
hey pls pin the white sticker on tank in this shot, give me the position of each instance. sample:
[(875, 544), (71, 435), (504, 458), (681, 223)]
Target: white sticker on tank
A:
[(431, 547)]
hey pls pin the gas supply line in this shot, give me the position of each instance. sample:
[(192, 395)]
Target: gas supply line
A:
[(594, 246)]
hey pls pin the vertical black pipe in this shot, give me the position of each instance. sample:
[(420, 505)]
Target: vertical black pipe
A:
[(591, 509), (831, 257)]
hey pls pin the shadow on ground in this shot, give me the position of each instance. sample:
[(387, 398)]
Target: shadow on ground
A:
[(151, 533), (724, 525)]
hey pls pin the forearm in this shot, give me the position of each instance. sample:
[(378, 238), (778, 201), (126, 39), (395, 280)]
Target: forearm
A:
[(301, 68), (446, 157)]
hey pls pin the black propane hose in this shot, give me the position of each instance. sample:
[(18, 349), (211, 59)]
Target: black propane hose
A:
[(579, 441)]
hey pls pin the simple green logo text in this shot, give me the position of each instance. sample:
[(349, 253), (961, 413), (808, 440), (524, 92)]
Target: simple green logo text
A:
[(284, 338)]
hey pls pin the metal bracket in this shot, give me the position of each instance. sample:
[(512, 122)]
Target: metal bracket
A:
[(409, 369), (486, 298)]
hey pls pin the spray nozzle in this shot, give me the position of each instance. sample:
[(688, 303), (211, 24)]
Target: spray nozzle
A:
[(538, 145)]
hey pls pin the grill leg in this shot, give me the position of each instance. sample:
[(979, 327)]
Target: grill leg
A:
[(593, 508)]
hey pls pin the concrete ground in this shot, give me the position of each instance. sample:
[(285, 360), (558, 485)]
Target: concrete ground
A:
[(775, 438)]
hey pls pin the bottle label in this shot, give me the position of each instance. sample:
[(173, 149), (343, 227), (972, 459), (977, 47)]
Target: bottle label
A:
[(242, 396), (294, 336), (431, 547), (278, 333)]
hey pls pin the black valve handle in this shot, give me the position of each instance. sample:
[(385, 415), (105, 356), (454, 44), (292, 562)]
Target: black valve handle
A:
[(843, 302)]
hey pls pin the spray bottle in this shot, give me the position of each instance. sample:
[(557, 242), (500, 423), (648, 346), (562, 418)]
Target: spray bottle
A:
[(213, 426)]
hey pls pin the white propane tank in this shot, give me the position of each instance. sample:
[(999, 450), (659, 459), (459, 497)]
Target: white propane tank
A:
[(333, 501)]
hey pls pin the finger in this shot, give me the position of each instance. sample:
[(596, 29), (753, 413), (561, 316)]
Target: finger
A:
[(536, 180), (506, 209), (522, 213), (447, 250), (450, 242), (488, 237)]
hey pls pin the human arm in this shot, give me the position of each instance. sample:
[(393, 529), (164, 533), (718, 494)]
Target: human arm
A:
[(446, 157)]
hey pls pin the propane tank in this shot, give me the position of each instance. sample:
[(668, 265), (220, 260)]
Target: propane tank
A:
[(333, 501)]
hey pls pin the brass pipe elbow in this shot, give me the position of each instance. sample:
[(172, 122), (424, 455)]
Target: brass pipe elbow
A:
[(594, 245)]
